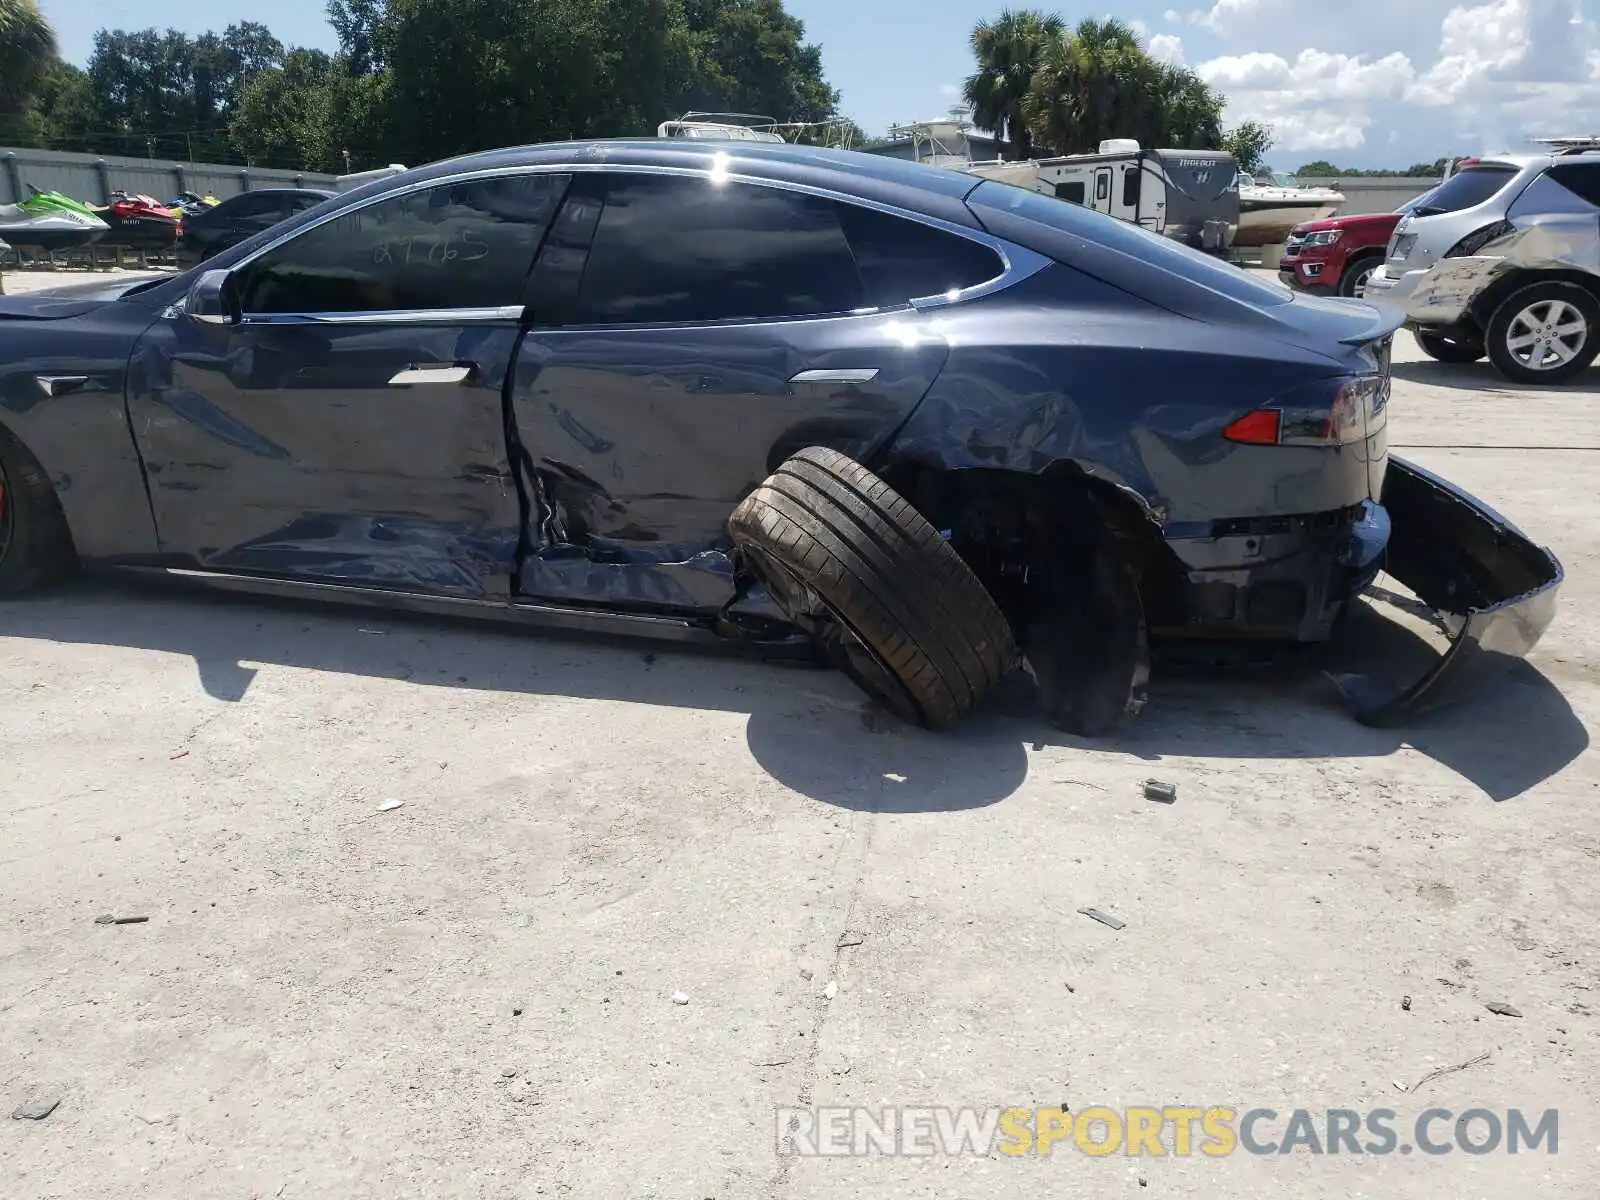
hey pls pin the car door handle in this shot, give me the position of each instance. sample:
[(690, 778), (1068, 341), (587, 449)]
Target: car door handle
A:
[(841, 375), (434, 373), (60, 385)]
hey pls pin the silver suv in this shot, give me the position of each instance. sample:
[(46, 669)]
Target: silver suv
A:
[(1504, 260)]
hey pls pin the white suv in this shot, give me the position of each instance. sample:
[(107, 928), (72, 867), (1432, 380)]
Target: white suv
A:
[(1504, 260)]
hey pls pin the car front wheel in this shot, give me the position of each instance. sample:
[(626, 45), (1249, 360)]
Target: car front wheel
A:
[(1544, 333), (35, 548), (1449, 350), (1353, 282), (893, 605)]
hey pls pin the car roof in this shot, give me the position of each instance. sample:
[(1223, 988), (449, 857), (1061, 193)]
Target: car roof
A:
[(934, 191), (284, 191)]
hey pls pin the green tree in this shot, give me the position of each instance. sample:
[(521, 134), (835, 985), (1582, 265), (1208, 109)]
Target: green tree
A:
[(282, 117), (27, 50), (1009, 50), (750, 56), (1248, 142), (1099, 83)]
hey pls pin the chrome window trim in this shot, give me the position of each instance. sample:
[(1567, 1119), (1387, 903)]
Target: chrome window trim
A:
[(397, 316), (1017, 262)]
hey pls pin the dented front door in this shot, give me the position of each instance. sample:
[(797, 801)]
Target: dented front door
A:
[(349, 426)]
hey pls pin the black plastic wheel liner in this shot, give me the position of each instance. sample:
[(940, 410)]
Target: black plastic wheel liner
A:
[(1491, 589), (7, 522)]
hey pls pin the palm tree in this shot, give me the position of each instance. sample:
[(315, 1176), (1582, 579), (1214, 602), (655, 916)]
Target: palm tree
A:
[(1008, 50), (1099, 83), (27, 48)]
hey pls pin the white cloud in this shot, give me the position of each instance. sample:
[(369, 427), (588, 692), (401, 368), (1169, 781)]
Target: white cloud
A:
[(1167, 48), (1320, 101), (1455, 77), (1172, 15), (1226, 16)]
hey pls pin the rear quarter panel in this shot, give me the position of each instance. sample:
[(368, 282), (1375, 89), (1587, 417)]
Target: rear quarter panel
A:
[(1063, 371), (82, 438)]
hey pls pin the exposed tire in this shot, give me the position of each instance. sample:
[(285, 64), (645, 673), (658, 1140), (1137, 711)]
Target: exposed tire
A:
[(35, 547), (825, 533), (1353, 283), (1448, 350), (1544, 333)]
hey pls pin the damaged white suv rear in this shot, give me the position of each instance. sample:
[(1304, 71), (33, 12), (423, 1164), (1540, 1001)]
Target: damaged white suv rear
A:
[(1504, 261)]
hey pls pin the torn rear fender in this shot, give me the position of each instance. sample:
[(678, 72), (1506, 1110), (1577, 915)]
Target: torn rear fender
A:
[(1493, 589)]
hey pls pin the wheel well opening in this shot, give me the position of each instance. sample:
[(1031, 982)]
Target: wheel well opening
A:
[(1493, 296), (1028, 537)]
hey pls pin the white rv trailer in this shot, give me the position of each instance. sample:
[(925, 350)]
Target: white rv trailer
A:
[(1191, 196)]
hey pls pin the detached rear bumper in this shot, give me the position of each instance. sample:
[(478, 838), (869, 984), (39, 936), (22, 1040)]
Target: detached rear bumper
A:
[(1488, 588)]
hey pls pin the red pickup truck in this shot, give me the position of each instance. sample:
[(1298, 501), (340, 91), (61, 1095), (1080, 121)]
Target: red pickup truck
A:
[(1334, 257)]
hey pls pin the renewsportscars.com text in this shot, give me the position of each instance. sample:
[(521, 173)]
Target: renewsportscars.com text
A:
[(1214, 1131)]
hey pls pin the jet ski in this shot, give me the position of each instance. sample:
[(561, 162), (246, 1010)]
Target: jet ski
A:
[(139, 222), (190, 204), (50, 221)]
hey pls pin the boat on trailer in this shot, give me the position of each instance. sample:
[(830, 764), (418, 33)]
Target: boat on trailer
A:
[(1269, 209)]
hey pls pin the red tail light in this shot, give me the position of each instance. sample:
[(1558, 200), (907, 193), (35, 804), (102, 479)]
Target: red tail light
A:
[(1259, 428), (1343, 419)]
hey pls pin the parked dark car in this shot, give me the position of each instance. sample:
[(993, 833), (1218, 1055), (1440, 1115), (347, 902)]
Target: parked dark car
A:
[(944, 429), (242, 216)]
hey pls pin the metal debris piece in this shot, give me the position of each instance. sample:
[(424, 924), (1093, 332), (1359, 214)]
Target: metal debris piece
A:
[(1155, 789), (1398, 1086), (35, 1110), (1105, 918), (178, 755), (848, 938), (1405, 1003), (109, 919), (508, 1072), (1471, 1062), (832, 990), (1501, 1009), (390, 805), (680, 997)]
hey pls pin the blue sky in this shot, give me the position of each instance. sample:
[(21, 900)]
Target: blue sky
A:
[(1361, 82)]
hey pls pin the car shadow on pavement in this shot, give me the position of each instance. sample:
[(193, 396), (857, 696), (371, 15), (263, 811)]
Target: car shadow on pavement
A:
[(810, 729), (1481, 377)]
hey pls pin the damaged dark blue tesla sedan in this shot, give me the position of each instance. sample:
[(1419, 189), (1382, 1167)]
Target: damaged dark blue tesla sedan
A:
[(940, 429)]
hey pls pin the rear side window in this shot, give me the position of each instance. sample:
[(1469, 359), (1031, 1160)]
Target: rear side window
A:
[(678, 248), (458, 245), (1581, 179), (1072, 193), (1122, 236), (1464, 190), (903, 260), (253, 204)]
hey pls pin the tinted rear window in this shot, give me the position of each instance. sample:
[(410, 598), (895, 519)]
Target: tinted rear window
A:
[(1127, 238), (1470, 187), (903, 260), (1581, 179)]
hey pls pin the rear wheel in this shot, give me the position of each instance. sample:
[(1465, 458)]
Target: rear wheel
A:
[(1544, 333), (1353, 282), (35, 548), (853, 562), (1449, 350)]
